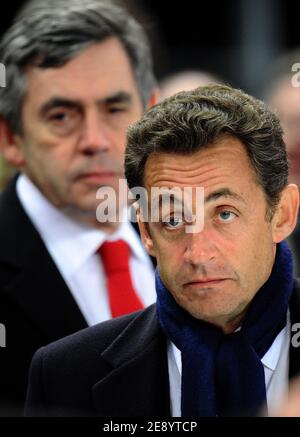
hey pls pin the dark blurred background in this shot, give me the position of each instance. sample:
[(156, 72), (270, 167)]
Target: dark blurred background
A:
[(235, 39)]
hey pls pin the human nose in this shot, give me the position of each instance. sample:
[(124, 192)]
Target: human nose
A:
[(200, 247), (95, 136)]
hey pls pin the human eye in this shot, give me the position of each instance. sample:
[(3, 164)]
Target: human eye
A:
[(173, 222), (59, 115), (226, 216), (63, 120), (117, 108)]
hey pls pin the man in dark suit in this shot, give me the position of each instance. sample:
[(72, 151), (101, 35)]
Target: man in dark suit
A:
[(222, 338), (78, 72)]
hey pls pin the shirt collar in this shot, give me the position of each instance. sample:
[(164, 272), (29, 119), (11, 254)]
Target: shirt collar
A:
[(68, 240), (271, 357)]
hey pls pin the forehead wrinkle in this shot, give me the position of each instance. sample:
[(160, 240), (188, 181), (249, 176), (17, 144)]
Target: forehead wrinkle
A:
[(210, 167), (156, 175), (166, 169), (165, 163)]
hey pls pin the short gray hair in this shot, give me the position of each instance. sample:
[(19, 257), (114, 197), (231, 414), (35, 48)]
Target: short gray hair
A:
[(49, 33)]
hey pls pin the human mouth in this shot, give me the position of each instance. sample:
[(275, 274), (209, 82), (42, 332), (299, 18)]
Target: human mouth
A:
[(98, 177), (205, 283)]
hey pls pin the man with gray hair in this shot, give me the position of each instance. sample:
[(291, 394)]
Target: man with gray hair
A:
[(78, 72), (222, 339)]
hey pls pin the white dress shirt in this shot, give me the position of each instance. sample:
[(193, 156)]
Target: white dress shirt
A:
[(276, 368), (73, 248)]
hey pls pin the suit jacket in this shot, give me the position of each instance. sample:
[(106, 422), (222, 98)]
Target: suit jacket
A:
[(116, 368), (36, 305)]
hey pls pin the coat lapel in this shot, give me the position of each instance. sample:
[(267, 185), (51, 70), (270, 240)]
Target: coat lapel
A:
[(39, 290), (138, 383), (32, 280)]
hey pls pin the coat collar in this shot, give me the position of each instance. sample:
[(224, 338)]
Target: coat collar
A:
[(30, 277)]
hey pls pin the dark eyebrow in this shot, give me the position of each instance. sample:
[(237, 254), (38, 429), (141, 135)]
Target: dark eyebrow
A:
[(223, 192), (57, 102), (118, 97)]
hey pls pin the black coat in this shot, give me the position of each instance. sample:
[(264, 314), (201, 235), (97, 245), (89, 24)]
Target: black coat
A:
[(36, 305), (116, 368)]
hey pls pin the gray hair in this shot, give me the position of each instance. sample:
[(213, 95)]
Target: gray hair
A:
[(191, 120), (49, 33)]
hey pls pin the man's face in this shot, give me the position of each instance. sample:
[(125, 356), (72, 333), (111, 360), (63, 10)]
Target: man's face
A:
[(74, 124), (286, 100), (215, 273)]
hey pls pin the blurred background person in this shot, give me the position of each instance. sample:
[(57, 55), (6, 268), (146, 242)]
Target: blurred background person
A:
[(185, 81), (283, 95), (78, 73)]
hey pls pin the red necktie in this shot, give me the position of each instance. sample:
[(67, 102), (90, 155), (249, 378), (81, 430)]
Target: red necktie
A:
[(122, 296)]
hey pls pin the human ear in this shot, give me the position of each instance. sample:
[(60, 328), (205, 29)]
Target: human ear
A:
[(145, 234), (285, 217), (153, 99), (10, 145)]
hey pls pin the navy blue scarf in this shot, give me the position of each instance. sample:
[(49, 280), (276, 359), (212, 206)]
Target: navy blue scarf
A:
[(222, 375)]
